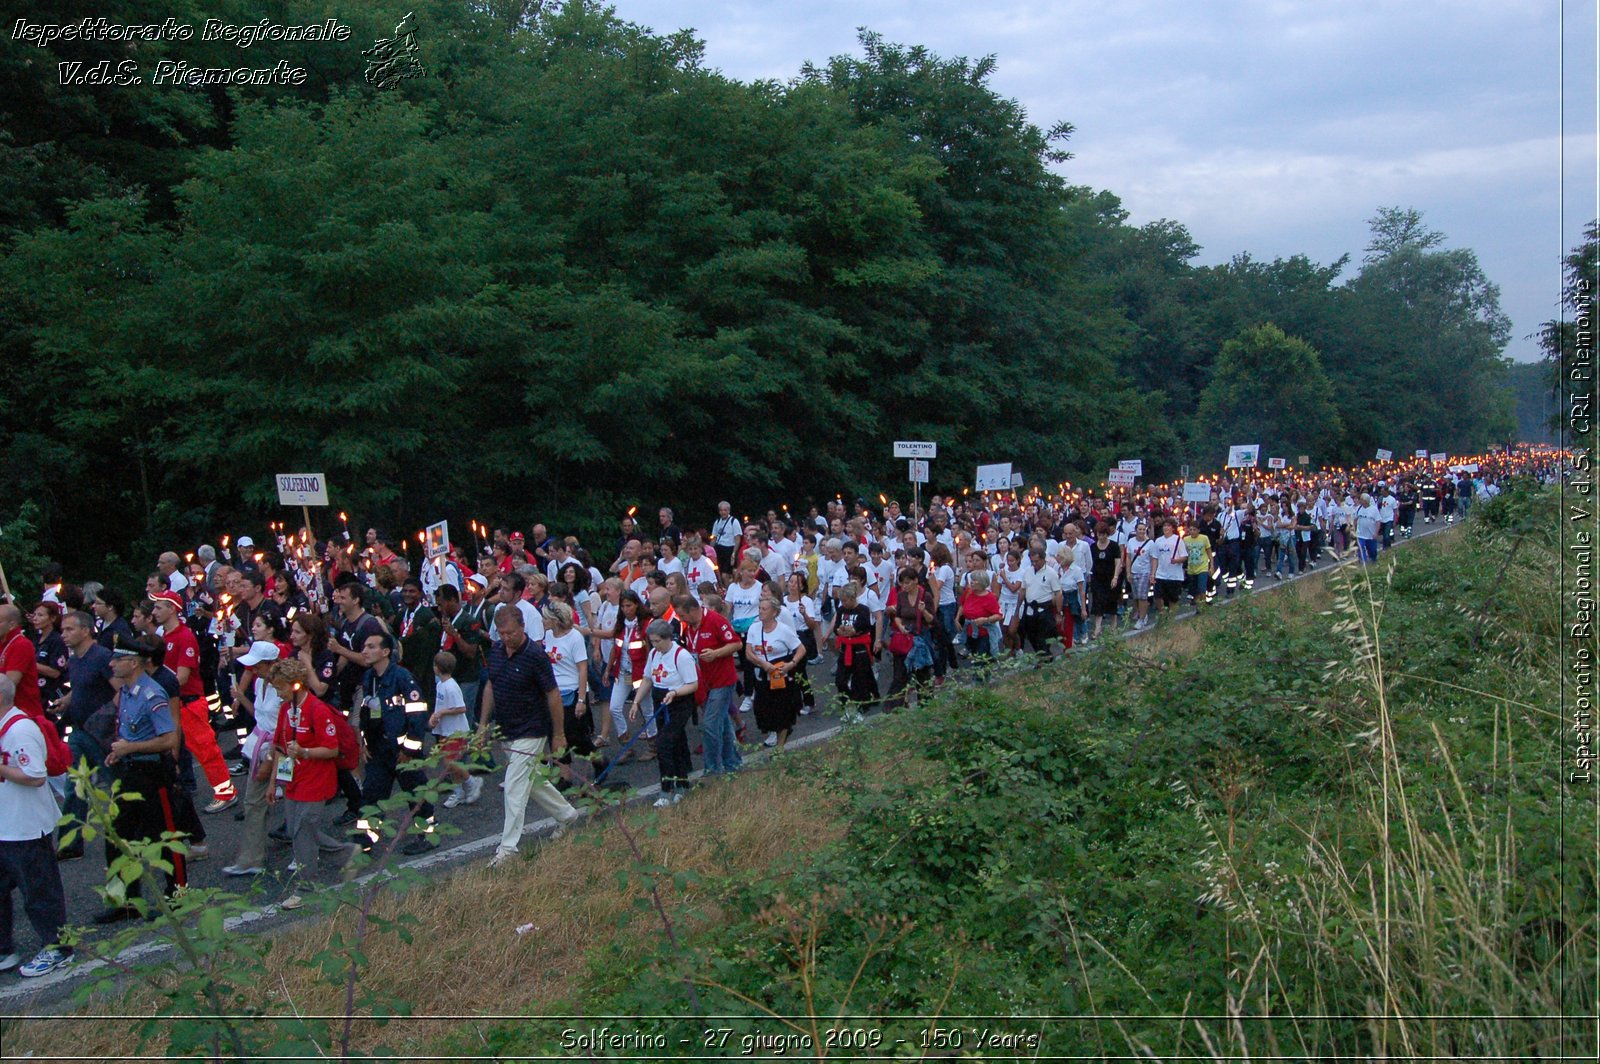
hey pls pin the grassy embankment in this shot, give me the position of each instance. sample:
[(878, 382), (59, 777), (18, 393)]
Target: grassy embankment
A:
[(1323, 822)]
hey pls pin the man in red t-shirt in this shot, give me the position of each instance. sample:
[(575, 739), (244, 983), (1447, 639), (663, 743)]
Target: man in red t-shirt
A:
[(708, 635), (19, 659), (183, 658)]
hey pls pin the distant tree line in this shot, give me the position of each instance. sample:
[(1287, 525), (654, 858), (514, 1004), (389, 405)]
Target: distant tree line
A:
[(573, 268)]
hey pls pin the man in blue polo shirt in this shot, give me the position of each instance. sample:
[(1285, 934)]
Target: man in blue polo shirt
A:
[(89, 676), (142, 759), (520, 695)]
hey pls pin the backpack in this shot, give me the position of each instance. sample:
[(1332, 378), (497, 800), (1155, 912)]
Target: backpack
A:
[(349, 742), (57, 756)]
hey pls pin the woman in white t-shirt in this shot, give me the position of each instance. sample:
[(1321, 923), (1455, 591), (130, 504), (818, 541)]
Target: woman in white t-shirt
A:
[(1008, 580), (1141, 552), (672, 678), (800, 612), (670, 562), (774, 650), (942, 583), (576, 580), (743, 597), (1171, 573), (568, 652)]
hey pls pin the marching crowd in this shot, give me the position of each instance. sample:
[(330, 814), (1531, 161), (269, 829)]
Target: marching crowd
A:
[(316, 676)]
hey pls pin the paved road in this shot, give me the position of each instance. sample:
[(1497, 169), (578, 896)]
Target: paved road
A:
[(479, 830)]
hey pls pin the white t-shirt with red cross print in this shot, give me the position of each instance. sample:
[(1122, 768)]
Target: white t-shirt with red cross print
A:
[(671, 669)]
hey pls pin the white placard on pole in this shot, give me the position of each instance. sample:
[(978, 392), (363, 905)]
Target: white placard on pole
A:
[(438, 541), (302, 489), (1197, 492), (1422, 452), (1439, 456), (917, 470), (1305, 459), (1277, 463), (1132, 465), (1121, 478), (916, 449), (995, 477), (1384, 454), (1016, 479), (1244, 455)]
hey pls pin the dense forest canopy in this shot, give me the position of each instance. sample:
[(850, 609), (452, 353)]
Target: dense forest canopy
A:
[(573, 269)]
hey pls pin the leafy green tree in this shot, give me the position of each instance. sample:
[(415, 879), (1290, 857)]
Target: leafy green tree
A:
[(1423, 365), (1269, 388), (1559, 338)]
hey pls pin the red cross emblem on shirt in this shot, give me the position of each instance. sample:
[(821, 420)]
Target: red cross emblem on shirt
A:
[(659, 673), (554, 654)]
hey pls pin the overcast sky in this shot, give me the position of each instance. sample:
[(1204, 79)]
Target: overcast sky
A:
[(1275, 127)]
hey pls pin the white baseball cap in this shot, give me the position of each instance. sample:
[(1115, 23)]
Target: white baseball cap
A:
[(246, 541), (260, 651)]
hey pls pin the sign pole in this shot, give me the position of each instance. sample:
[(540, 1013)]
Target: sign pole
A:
[(306, 510)]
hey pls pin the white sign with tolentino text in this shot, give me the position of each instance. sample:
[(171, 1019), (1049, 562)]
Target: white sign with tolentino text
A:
[(995, 477), (916, 449), (302, 489)]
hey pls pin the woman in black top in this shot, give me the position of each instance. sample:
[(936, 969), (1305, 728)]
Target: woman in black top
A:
[(853, 638), (51, 655), (1105, 577)]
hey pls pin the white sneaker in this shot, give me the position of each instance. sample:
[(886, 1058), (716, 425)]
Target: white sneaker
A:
[(770, 740), (455, 798), (805, 711), (664, 800), (748, 703), (294, 866), (293, 901), (501, 857), (474, 790), (44, 962), (237, 870)]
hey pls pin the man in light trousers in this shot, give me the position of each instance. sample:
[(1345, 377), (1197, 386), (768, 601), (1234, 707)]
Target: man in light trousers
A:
[(520, 695)]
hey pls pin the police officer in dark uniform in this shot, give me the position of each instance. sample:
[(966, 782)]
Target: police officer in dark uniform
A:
[(394, 723)]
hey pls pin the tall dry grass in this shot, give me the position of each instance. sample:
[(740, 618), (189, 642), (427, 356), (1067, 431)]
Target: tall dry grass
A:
[(468, 957), (1428, 908)]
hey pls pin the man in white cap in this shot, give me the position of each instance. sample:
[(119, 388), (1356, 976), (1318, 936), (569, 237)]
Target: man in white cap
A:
[(246, 562)]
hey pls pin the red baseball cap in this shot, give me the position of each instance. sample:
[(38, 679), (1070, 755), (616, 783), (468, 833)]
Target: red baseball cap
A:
[(169, 596)]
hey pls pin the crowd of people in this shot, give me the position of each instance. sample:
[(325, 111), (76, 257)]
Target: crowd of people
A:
[(320, 673)]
